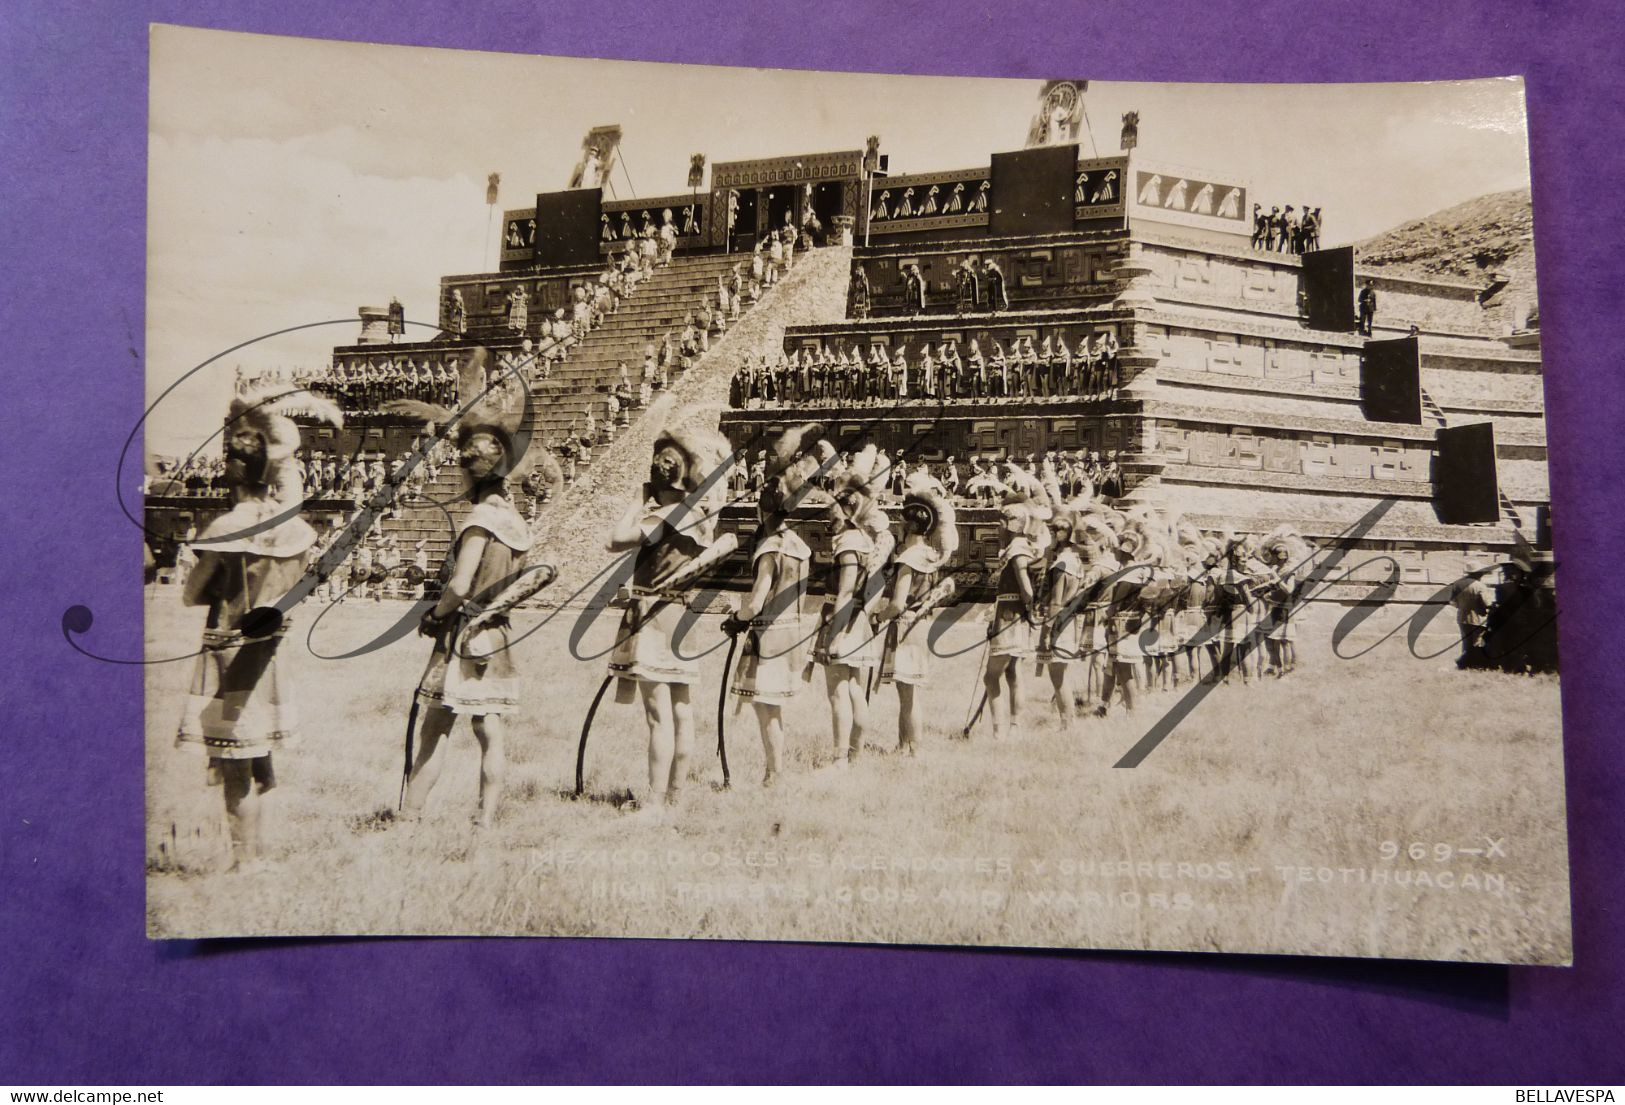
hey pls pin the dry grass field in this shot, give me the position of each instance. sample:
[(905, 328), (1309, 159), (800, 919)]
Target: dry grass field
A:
[(1377, 806)]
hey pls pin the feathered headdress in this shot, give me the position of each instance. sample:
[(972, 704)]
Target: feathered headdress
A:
[(1187, 533), (1190, 545), (704, 451), (252, 525), (494, 406), (865, 473), (706, 457), (269, 410), (924, 492), (1093, 530), (1025, 499), (1284, 538), (1021, 486), (794, 459)]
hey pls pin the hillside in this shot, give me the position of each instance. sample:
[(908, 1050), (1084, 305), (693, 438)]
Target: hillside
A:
[(1470, 241)]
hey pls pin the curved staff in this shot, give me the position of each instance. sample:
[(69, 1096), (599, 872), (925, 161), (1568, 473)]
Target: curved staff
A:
[(722, 712), (586, 728), (974, 713), (774, 664), (238, 710)]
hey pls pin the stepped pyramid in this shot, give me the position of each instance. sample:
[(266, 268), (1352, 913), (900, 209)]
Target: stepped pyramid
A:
[(1244, 393)]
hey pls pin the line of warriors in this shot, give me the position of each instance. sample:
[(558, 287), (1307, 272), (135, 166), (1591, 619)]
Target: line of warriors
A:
[(367, 386), (1097, 599), (1050, 370), (978, 285), (1080, 586), (1284, 231), (1107, 600)]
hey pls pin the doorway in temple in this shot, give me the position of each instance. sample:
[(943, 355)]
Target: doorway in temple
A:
[(742, 236), (828, 201), (781, 202)]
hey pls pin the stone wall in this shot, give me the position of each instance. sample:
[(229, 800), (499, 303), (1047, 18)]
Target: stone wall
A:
[(1255, 281)]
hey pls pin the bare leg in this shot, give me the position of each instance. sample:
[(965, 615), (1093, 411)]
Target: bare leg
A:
[(998, 696), (860, 709), (1120, 675), (431, 757), (489, 731), (910, 719), (242, 811), (657, 712), (1082, 695), (1108, 686), (840, 709), (770, 717), (1018, 694), (682, 712), (1063, 690)]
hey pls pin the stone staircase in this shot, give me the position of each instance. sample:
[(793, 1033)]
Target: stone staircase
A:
[(662, 302), (573, 529), (1431, 411), (1509, 512)]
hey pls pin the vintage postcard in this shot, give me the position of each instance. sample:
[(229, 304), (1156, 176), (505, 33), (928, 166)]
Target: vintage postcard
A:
[(598, 498)]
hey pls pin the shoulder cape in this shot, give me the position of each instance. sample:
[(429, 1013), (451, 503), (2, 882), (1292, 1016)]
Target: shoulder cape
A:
[(498, 518)]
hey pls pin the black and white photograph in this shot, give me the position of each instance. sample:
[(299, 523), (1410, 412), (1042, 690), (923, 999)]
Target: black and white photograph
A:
[(626, 499)]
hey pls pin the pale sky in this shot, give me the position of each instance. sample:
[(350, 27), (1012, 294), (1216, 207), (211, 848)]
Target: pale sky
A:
[(293, 180)]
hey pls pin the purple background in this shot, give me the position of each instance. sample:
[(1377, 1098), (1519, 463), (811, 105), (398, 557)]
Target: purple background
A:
[(86, 998)]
